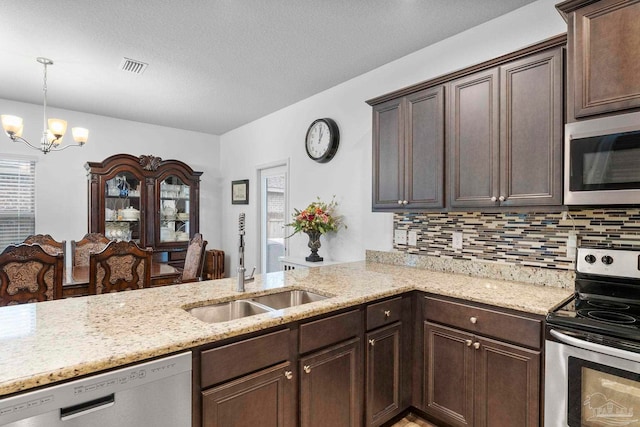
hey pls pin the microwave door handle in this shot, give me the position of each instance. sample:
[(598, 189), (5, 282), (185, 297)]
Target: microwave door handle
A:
[(586, 345)]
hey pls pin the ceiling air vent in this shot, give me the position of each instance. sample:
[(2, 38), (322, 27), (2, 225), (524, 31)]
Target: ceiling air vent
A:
[(133, 66)]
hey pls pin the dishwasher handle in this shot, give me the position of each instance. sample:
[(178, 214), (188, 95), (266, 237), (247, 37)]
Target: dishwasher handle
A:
[(88, 407), (586, 345)]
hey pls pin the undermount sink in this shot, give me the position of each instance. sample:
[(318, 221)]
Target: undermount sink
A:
[(226, 311), (286, 299), (237, 309)]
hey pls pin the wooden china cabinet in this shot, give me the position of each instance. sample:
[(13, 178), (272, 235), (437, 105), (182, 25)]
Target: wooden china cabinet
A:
[(152, 201)]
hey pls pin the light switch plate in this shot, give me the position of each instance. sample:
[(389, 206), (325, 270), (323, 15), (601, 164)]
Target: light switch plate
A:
[(400, 237), (457, 240), (413, 238)]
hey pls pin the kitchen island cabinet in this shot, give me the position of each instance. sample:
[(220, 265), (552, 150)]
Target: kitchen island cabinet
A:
[(470, 379)]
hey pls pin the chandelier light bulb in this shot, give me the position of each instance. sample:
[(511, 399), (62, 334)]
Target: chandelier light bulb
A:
[(12, 125), (80, 135)]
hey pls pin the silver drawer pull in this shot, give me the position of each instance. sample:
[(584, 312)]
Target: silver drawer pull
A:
[(473, 320), (307, 368), (476, 345), (372, 342), (468, 342), (387, 313)]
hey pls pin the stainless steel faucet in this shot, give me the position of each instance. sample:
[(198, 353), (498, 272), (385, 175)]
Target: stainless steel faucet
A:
[(241, 270)]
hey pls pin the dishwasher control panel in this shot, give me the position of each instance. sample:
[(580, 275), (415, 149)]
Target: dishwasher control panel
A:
[(65, 397)]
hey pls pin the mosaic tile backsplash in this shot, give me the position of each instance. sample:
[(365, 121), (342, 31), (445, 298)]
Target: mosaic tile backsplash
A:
[(529, 239)]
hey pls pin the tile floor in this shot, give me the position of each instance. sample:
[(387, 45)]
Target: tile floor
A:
[(412, 421)]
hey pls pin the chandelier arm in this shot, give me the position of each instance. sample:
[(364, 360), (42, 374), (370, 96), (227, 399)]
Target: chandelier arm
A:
[(58, 148), (21, 139)]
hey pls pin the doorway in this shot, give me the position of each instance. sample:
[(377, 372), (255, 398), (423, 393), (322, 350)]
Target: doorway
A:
[(274, 203)]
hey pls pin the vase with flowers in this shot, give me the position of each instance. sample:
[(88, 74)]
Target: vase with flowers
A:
[(315, 220)]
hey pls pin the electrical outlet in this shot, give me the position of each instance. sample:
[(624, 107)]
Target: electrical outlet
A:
[(413, 238), (400, 237), (456, 240)]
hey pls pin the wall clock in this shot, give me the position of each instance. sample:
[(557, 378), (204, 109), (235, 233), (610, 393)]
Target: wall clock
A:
[(322, 140)]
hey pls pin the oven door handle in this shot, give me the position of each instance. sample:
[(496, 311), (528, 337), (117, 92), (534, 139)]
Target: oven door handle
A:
[(586, 345)]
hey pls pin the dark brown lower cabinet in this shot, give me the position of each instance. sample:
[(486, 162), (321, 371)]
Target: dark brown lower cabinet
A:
[(471, 380), (265, 398), (330, 386), (383, 364)]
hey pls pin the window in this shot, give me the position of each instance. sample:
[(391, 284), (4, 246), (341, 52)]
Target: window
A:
[(17, 200)]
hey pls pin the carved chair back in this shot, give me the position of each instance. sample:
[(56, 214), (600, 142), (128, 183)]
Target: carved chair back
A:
[(48, 243), (29, 274), (194, 259), (120, 266), (80, 250)]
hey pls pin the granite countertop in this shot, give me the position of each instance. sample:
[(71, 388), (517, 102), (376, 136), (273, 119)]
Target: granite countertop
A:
[(57, 340)]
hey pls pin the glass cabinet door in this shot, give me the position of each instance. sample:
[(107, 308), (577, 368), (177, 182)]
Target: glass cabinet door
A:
[(122, 207), (175, 210)]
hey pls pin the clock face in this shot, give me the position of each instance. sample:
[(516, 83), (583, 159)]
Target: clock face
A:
[(322, 140)]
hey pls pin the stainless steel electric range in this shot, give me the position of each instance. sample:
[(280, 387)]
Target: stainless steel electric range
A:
[(592, 353)]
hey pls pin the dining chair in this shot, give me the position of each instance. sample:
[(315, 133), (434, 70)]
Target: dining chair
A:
[(194, 260), (120, 266), (29, 274), (80, 250), (48, 243)]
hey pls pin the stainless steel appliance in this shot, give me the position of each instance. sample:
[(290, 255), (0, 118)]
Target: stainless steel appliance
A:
[(601, 161), (592, 353), (155, 393)]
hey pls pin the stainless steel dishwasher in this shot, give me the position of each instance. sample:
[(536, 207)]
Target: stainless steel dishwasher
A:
[(154, 394)]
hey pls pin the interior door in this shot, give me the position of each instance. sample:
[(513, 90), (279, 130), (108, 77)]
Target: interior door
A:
[(274, 201)]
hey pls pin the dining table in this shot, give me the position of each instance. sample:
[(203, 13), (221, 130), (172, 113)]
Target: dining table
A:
[(77, 283)]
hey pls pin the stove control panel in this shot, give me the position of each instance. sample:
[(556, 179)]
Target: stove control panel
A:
[(609, 262)]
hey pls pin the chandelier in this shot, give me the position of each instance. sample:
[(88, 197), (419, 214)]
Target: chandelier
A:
[(54, 129)]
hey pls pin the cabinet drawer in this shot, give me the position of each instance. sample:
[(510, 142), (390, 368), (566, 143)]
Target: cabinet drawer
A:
[(240, 358), (384, 313), (330, 330), (509, 327)]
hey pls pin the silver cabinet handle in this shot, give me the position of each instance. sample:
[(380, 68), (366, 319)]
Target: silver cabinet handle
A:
[(387, 313), (476, 345), (502, 198), (399, 202), (473, 320), (372, 342), (404, 202), (288, 374), (307, 368), (468, 342), (493, 198)]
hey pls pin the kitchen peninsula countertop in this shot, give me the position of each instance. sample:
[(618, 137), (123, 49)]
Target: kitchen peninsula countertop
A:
[(46, 342)]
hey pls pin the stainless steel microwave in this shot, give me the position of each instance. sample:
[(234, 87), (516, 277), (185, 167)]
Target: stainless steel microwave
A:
[(602, 161)]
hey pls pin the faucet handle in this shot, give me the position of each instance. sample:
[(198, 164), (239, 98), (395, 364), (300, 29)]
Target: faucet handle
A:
[(250, 277)]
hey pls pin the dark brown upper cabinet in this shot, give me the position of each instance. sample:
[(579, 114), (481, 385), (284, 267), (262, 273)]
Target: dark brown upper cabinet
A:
[(152, 201), (603, 46), (504, 134), (408, 152)]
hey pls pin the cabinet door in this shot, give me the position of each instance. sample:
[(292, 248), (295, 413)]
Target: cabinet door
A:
[(473, 137), (507, 390), (330, 383), (424, 143), (604, 44), (448, 374), (383, 366), (266, 398), (531, 130), (388, 155)]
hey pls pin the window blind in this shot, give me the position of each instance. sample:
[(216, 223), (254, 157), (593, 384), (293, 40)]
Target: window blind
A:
[(17, 200)]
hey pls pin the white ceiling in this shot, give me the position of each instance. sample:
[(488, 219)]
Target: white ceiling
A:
[(214, 65)]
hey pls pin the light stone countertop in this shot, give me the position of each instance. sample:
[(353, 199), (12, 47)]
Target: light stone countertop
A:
[(51, 341)]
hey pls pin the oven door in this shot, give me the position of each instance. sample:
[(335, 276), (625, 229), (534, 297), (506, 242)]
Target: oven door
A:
[(589, 384)]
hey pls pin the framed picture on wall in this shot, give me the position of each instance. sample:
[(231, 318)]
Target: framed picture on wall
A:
[(240, 192)]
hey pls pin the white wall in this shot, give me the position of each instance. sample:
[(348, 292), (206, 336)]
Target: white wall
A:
[(348, 176), (61, 179)]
